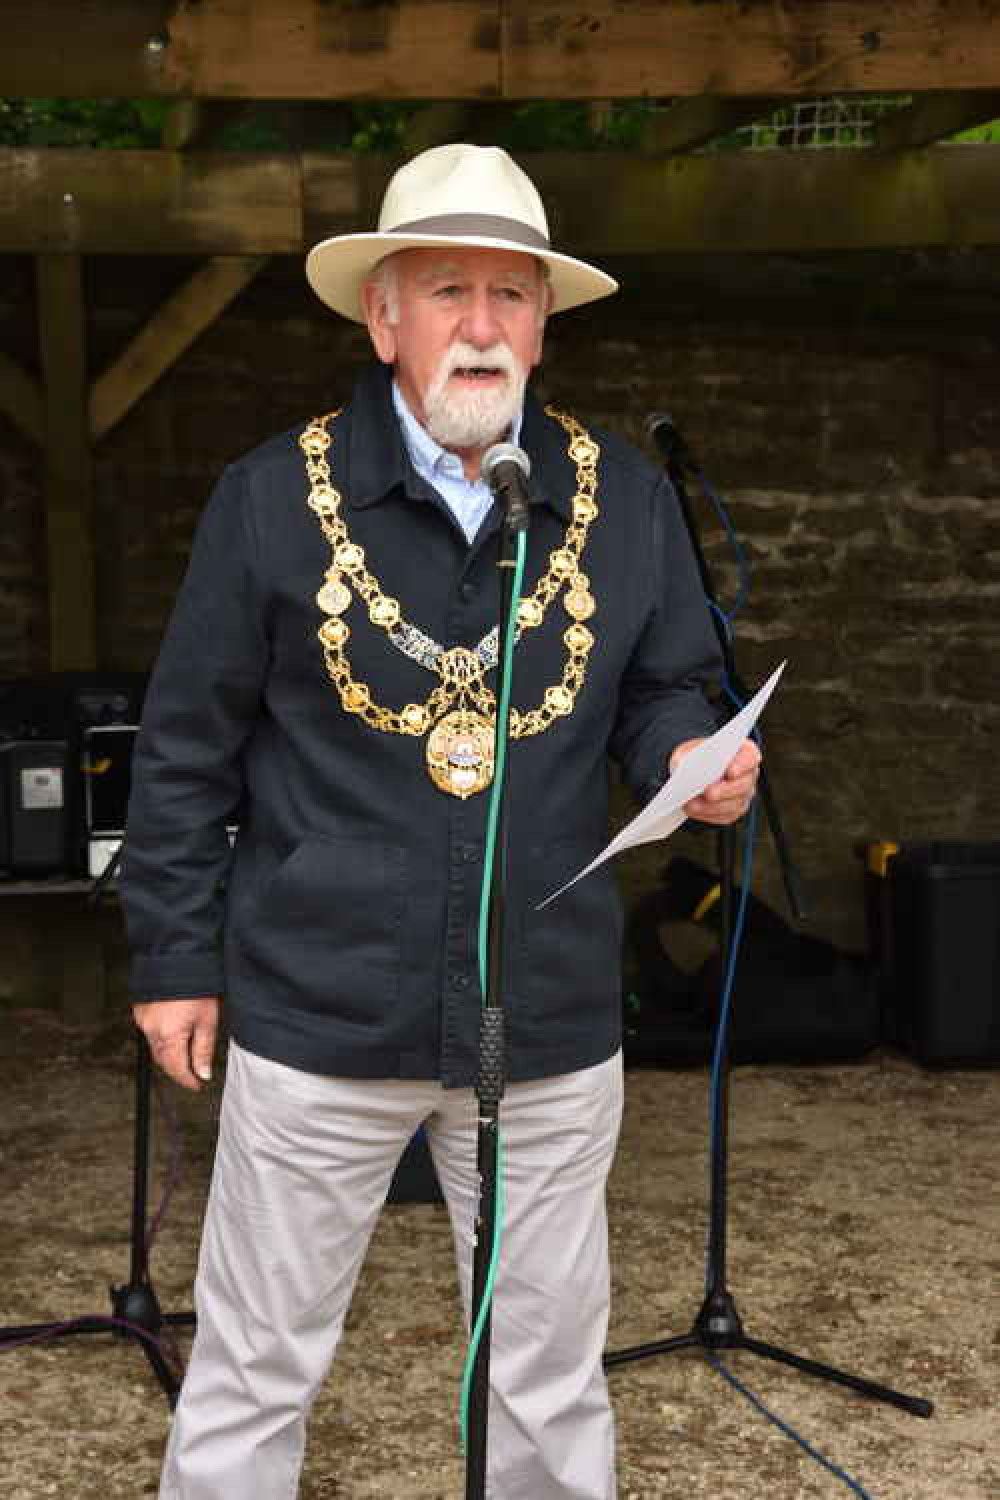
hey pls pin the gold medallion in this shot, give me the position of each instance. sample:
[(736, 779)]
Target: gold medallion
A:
[(334, 597), (579, 604), (460, 753)]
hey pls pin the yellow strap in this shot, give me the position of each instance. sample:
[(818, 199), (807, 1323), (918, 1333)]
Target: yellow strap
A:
[(706, 903), (879, 856)]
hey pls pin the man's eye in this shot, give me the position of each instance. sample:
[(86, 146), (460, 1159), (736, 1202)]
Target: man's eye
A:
[(512, 293), (447, 291)]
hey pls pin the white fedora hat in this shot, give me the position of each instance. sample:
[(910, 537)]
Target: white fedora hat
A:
[(456, 194)]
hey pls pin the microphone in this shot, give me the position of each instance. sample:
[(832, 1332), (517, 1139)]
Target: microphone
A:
[(660, 431), (506, 469)]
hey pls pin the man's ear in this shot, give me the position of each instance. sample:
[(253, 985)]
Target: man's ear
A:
[(381, 332)]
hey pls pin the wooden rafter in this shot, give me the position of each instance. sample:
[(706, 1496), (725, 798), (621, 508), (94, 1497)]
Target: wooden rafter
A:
[(690, 123), (184, 123), (162, 202), (935, 117), (469, 49), (171, 330)]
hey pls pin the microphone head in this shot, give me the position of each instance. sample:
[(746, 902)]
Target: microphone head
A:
[(657, 420), (504, 453)]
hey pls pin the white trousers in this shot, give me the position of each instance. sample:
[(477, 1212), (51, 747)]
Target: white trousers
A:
[(303, 1165)]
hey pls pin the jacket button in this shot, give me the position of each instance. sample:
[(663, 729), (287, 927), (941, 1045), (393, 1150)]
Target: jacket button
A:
[(467, 592)]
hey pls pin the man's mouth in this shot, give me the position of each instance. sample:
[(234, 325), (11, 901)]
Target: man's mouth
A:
[(478, 372)]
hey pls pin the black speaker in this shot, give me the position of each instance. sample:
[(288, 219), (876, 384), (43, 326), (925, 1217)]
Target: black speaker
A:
[(945, 942), (36, 827)]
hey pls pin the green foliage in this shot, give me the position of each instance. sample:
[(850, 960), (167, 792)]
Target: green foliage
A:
[(981, 134), (380, 127), (82, 122), (541, 124)]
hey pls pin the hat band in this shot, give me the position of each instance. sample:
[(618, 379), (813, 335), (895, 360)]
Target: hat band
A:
[(484, 226)]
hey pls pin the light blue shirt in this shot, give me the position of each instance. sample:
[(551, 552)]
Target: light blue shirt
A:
[(468, 500)]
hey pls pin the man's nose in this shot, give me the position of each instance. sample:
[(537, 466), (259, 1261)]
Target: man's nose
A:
[(479, 321)]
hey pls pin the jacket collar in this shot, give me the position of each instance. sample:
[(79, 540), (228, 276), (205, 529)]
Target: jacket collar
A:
[(377, 463)]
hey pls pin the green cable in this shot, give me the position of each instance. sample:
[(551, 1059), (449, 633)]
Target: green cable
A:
[(493, 817)]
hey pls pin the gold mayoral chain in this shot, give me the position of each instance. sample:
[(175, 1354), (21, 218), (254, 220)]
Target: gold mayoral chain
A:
[(460, 712)]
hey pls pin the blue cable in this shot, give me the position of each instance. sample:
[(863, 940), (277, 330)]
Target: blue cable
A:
[(742, 561), (727, 988), (789, 1431)]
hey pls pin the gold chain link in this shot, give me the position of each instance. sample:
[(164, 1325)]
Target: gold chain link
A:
[(461, 671)]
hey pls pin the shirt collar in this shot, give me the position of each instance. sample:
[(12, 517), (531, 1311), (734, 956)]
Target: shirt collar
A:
[(377, 460), (425, 451)]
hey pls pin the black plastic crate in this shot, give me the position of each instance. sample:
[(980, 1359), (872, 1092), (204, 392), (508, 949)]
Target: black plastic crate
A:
[(945, 947)]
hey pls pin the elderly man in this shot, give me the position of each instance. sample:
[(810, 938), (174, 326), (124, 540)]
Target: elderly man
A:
[(327, 681)]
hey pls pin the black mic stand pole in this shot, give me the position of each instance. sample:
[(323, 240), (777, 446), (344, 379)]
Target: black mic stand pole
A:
[(490, 1080), (135, 1311), (718, 1325)]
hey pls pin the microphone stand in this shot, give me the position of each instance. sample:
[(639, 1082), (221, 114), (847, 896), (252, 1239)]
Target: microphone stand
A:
[(490, 1079), (718, 1324), (135, 1310)]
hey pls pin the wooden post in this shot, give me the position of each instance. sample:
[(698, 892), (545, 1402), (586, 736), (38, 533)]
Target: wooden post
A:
[(69, 500)]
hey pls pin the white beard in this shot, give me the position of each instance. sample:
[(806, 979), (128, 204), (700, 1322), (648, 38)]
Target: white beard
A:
[(471, 418)]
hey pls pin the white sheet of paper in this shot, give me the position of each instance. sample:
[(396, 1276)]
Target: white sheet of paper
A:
[(695, 772)]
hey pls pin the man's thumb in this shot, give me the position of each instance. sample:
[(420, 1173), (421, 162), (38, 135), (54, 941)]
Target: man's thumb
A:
[(202, 1047)]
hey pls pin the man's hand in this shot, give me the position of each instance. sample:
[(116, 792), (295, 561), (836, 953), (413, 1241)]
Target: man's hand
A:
[(181, 1036), (727, 799)]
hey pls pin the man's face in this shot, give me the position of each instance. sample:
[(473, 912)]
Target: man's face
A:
[(465, 330)]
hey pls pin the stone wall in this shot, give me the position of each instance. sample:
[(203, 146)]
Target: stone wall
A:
[(848, 409)]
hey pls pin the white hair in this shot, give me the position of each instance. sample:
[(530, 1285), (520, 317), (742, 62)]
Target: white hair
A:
[(385, 277)]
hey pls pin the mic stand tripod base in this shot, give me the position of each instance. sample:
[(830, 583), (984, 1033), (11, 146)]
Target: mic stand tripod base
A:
[(718, 1326), (134, 1307)]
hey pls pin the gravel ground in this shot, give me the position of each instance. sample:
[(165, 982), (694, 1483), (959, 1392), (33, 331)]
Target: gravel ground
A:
[(863, 1232)]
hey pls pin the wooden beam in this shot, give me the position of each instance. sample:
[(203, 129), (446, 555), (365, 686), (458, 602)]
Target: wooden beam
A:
[(690, 123), (68, 466), (566, 49), (226, 203), (262, 205), (259, 49), (935, 117), (515, 49), (171, 330), (21, 399), (772, 201), (185, 121)]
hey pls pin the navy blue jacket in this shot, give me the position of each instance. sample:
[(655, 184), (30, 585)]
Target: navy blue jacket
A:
[(342, 931)]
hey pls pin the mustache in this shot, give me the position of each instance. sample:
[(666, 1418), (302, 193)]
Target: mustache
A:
[(462, 356)]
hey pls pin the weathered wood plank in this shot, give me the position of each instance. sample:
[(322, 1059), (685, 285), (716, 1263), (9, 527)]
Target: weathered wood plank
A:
[(770, 200), (773, 200), (21, 399), (184, 123), (171, 330), (568, 49), (156, 202), (468, 49), (69, 519), (934, 117), (266, 49)]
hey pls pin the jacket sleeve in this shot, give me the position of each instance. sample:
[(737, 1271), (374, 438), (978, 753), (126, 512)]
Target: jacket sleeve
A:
[(676, 662), (203, 699)]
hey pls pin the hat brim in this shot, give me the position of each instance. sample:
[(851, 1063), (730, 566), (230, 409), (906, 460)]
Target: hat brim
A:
[(337, 268)]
